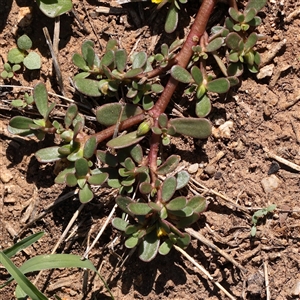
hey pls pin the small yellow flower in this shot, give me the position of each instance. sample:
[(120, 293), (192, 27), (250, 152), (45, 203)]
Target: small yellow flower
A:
[(156, 1), (160, 231)]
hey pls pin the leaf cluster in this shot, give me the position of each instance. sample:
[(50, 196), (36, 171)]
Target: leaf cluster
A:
[(30, 59), (260, 214)]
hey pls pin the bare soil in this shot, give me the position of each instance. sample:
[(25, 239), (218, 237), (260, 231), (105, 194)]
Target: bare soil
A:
[(265, 116)]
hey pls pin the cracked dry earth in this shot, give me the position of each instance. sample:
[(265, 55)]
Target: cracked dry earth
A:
[(238, 172)]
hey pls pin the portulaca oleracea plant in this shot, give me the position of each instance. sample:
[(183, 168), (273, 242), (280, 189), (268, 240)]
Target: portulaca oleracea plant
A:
[(136, 102)]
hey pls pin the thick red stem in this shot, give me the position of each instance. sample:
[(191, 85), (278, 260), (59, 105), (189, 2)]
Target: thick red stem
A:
[(108, 132), (183, 57)]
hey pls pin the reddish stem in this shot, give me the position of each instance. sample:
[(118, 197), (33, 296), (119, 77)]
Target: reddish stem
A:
[(183, 57), (108, 132)]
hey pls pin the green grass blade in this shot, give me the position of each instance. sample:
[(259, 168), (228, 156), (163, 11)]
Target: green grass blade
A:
[(11, 251), (51, 261), (21, 279)]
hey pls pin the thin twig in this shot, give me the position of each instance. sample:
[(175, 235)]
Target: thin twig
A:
[(54, 59), (209, 244), (100, 232), (92, 25), (267, 280), (204, 272), (282, 160)]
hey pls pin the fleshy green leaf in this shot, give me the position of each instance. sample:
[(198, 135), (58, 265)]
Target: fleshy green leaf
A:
[(168, 188), (163, 120), (165, 247), (172, 19), (98, 179), (181, 74), (139, 60), (197, 75), (20, 122), (24, 42), (136, 153), (203, 106), (15, 56), (85, 194), (71, 179), (184, 222), (250, 14), (234, 14), (232, 40), (149, 247), (176, 204), (198, 204), (49, 154), (87, 87), (215, 44), (219, 85), (55, 8), (71, 113), (40, 97), (123, 203), (256, 4), (183, 178), (194, 127), (18, 103), (125, 140), (119, 224), (79, 62), (169, 165), (81, 167), (107, 158), (139, 209), (32, 61), (109, 114), (108, 58), (90, 147), (251, 41), (121, 59), (145, 188), (235, 69), (131, 242), (184, 241), (133, 73)]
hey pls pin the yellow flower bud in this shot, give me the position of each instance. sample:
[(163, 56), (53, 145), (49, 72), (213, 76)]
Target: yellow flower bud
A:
[(156, 1)]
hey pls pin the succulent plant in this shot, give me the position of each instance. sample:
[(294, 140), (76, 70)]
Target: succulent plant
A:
[(134, 122)]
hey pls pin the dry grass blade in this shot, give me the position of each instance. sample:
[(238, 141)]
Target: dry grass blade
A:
[(54, 59), (282, 160), (100, 232), (202, 270)]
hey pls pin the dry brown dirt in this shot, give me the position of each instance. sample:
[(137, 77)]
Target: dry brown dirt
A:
[(265, 116)]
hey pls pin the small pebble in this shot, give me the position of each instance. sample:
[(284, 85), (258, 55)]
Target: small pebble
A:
[(274, 168), (265, 71), (218, 175), (193, 168), (296, 288), (6, 176), (270, 183), (210, 170)]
